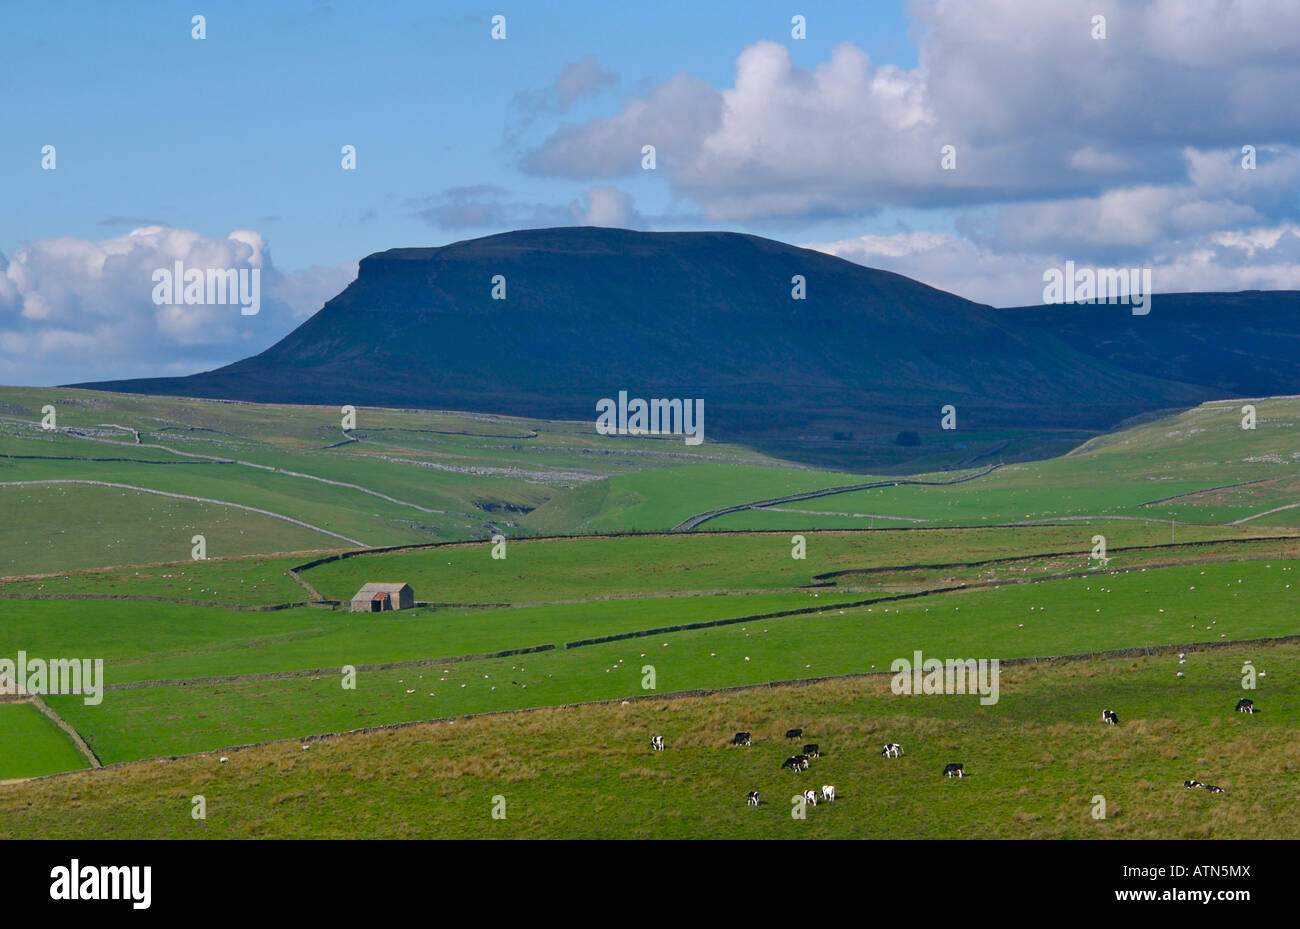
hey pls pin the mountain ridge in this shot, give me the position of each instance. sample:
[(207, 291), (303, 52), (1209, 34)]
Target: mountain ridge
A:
[(589, 311)]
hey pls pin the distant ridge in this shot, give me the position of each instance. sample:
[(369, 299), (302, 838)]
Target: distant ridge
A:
[(590, 311), (1238, 344)]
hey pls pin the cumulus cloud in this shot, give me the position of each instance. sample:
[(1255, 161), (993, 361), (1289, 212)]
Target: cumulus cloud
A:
[(79, 309), (676, 118), (1124, 151), (1264, 258), (1035, 107)]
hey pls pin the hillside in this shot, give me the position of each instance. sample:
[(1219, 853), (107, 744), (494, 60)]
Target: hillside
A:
[(1240, 344), (1035, 763), (590, 311)]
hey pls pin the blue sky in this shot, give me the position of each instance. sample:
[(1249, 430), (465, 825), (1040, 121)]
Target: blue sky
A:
[(243, 129), (1113, 146)]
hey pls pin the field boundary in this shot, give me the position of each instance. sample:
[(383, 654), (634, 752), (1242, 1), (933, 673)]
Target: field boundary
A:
[(1112, 654), (618, 636), (142, 598), (1194, 493), (176, 496), (298, 579), (693, 522), (317, 672), (820, 581), (1164, 546), (46, 710), (330, 558)]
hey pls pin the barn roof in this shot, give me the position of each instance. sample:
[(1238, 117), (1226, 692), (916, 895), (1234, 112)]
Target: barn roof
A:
[(368, 590)]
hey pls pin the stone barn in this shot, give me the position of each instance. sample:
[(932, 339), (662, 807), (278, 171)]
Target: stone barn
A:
[(376, 598)]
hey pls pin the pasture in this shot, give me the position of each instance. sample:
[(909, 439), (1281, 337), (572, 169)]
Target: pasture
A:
[(1111, 610), (32, 744), (995, 567), (1036, 762)]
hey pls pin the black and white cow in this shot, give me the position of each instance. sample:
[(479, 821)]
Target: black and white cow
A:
[(1192, 785), (1109, 717), (812, 751), (792, 763), (828, 793), (810, 796), (752, 799), (740, 738), (794, 734), (1212, 789), (1245, 705), (952, 770), (657, 742), (892, 750)]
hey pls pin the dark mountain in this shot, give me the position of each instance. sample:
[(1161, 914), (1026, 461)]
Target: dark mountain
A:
[(590, 311), (1243, 344)]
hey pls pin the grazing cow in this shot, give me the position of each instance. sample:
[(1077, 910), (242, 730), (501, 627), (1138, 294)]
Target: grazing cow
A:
[(828, 793), (740, 738), (1212, 789), (1192, 785), (794, 734), (1109, 717), (792, 763), (752, 799), (892, 750), (810, 796), (657, 742), (1245, 705), (952, 770), (812, 751)]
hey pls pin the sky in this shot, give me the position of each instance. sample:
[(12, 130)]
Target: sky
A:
[(1111, 144)]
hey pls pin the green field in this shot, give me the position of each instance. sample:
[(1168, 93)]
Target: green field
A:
[(192, 642), (405, 477), (33, 744), (1037, 760), (1186, 454), (537, 571), (399, 477), (997, 566), (1120, 609), (108, 525)]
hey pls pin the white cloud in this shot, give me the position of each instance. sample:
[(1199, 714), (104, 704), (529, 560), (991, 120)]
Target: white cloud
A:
[(607, 206), (1265, 258), (1036, 108), (79, 309)]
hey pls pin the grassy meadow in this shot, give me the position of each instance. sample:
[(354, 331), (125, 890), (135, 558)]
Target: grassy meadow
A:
[(1036, 761), (1203, 545), (33, 744)]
